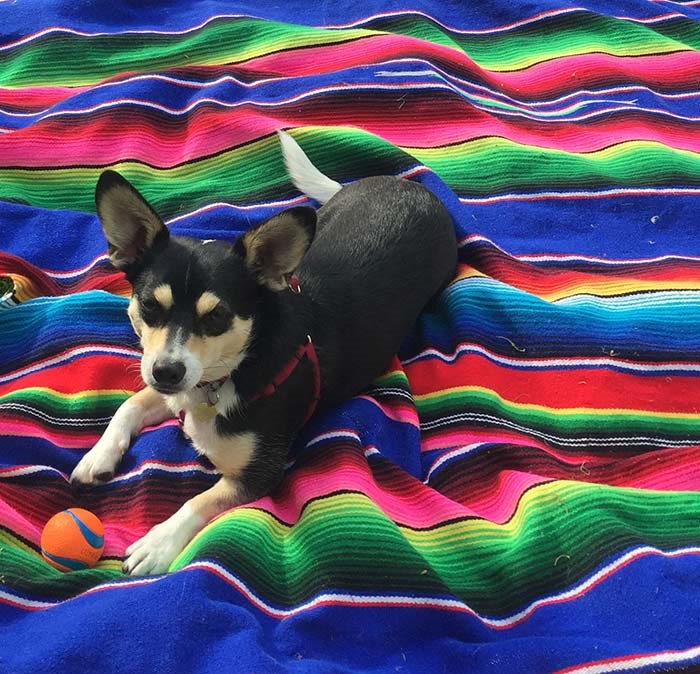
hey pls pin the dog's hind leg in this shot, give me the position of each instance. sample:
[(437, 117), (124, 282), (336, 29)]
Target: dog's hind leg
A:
[(164, 542)]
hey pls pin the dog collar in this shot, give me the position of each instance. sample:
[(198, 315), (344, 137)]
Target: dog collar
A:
[(211, 389), (306, 350), (206, 409)]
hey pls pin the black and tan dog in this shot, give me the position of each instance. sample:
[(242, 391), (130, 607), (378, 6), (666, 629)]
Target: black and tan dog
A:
[(245, 341)]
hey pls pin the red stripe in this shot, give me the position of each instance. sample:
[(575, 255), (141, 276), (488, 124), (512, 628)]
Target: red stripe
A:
[(82, 375), (665, 72), (590, 388)]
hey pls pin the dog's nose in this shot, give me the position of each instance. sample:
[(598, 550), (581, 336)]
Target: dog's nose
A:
[(169, 373)]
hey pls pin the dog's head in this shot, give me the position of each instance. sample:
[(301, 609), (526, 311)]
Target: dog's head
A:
[(194, 302)]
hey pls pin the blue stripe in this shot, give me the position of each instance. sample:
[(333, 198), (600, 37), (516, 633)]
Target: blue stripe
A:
[(91, 537), (72, 564)]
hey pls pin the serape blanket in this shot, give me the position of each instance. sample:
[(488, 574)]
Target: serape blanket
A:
[(519, 491)]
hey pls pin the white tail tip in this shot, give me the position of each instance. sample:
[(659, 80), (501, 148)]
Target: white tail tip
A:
[(305, 176)]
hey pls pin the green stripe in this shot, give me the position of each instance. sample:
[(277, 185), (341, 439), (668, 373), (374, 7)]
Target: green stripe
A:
[(70, 60), (555, 37), (73, 60), (561, 422), (396, 379), (561, 533), (346, 543), (255, 172), (25, 571), (86, 405), (246, 174), (496, 165)]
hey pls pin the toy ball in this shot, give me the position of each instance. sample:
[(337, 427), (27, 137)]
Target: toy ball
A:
[(72, 540)]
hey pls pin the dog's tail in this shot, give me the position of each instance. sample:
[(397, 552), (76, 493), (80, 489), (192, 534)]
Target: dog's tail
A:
[(305, 176)]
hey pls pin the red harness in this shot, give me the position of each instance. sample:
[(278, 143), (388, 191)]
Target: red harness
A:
[(305, 350)]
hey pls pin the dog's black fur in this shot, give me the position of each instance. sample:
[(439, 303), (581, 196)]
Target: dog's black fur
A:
[(383, 247)]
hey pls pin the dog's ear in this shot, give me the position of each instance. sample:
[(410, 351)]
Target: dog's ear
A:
[(273, 249), (129, 222)]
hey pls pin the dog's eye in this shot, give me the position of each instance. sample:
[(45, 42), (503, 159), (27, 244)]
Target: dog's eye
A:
[(151, 310), (216, 321)]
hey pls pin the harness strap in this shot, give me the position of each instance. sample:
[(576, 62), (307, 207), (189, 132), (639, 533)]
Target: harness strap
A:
[(306, 350)]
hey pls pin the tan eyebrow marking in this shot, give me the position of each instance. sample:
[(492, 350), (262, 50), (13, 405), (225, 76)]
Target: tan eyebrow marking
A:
[(164, 296), (206, 302)]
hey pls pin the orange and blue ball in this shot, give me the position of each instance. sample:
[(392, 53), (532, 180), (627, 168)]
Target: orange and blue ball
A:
[(72, 540)]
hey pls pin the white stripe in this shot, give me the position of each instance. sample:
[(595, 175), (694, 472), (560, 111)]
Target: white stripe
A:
[(581, 194), (556, 363), (408, 173), (76, 272), (148, 466), (30, 470), (348, 599), (80, 33), (476, 239), (448, 456), (22, 601), (163, 468), (500, 97), (444, 84), (665, 657), (173, 112), (58, 421), (179, 81), (683, 299), (582, 587), (236, 207), (389, 600), (535, 259), (562, 115), (497, 29), (352, 24), (466, 88), (398, 392), (334, 435), (605, 441)]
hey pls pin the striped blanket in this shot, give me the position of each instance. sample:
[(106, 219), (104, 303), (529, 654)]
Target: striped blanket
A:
[(519, 491)]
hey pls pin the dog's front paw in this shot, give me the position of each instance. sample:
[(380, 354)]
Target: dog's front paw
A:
[(100, 463), (156, 551), (96, 467)]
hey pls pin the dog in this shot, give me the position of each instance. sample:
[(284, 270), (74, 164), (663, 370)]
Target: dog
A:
[(244, 341)]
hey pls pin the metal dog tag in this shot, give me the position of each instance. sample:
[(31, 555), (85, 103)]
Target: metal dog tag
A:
[(204, 411)]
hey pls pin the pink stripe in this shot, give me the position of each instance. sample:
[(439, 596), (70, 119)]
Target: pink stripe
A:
[(31, 99), (30, 430), (85, 140), (667, 71), (63, 140), (406, 414), (65, 144), (419, 506), (499, 504), (446, 439)]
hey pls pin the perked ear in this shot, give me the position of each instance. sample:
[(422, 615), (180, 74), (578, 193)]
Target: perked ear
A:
[(129, 222), (273, 249)]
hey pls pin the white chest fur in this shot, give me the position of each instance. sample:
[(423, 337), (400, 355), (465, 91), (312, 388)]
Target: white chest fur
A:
[(231, 453)]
